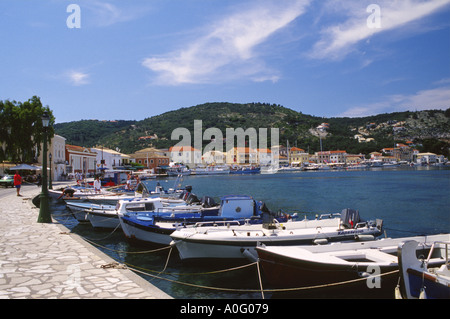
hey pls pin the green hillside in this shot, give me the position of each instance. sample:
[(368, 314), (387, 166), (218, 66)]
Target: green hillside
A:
[(430, 128)]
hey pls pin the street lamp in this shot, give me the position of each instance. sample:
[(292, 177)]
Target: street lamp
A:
[(44, 209), (50, 175)]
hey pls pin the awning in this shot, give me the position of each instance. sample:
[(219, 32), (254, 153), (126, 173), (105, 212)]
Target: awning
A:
[(25, 167)]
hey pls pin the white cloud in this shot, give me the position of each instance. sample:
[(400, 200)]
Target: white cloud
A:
[(77, 78), (227, 50), (339, 40), (431, 99)]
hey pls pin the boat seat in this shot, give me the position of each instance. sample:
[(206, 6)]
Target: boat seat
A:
[(443, 271)]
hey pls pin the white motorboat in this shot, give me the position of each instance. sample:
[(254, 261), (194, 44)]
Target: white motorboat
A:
[(156, 229), (367, 264), (79, 209), (212, 170), (424, 278), (230, 241)]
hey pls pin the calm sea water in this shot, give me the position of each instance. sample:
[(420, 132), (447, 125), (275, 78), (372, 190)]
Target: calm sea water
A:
[(410, 201)]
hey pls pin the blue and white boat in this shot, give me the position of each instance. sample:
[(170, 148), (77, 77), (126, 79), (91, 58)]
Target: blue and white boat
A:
[(246, 170), (80, 209), (107, 216), (157, 228), (424, 278)]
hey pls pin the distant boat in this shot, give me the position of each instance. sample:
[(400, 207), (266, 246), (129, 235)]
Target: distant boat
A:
[(425, 278), (246, 170), (212, 170), (178, 170), (269, 170)]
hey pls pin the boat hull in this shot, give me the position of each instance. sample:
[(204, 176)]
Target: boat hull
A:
[(99, 219), (203, 246), (144, 232), (281, 272)]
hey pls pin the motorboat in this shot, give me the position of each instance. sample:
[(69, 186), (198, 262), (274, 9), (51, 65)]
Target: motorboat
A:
[(212, 170), (246, 170), (363, 266), (269, 169), (179, 170), (232, 241), (80, 209), (156, 229), (424, 278)]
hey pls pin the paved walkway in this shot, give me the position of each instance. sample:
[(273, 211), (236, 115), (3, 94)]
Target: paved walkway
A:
[(45, 261)]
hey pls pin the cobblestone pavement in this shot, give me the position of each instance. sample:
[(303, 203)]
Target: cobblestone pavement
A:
[(45, 261)]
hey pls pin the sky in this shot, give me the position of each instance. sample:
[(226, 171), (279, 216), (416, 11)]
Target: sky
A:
[(130, 60)]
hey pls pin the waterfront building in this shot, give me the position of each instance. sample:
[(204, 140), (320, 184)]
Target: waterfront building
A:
[(151, 158), (242, 156), (80, 159), (352, 159), (426, 158), (186, 155), (108, 159), (264, 156), (298, 156), (214, 157), (57, 149)]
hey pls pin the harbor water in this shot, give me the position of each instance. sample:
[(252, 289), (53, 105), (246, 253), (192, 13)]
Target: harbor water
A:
[(410, 201)]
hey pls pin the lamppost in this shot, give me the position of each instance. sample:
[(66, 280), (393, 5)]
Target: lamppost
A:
[(44, 209), (50, 175)]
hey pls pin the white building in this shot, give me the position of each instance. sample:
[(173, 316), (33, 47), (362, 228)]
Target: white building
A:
[(108, 159), (57, 153), (186, 155)]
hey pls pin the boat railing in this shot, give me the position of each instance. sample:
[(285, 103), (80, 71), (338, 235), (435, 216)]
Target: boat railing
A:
[(430, 254), (329, 216), (217, 223)]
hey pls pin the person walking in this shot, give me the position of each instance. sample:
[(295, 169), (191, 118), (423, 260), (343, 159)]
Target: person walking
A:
[(17, 182)]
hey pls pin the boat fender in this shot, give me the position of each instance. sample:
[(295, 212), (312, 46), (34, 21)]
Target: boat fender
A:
[(249, 255), (423, 294), (322, 241), (398, 294), (365, 237)]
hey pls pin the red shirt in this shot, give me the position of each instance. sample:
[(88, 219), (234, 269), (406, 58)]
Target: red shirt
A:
[(17, 179)]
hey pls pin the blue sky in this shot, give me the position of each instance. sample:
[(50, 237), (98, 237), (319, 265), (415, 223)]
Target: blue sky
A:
[(135, 59)]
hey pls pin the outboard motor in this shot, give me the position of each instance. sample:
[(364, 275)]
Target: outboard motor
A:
[(192, 198), (267, 217), (208, 202), (350, 217)]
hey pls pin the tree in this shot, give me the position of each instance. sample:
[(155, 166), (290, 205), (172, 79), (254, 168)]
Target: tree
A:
[(21, 132)]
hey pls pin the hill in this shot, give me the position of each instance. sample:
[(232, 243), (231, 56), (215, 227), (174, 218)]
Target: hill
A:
[(430, 128)]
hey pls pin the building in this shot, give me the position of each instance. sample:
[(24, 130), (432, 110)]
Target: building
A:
[(214, 157), (186, 155), (151, 158), (352, 159), (298, 156), (80, 160), (264, 157), (109, 159), (242, 156), (56, 158), (338, 157), (426, 158)]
